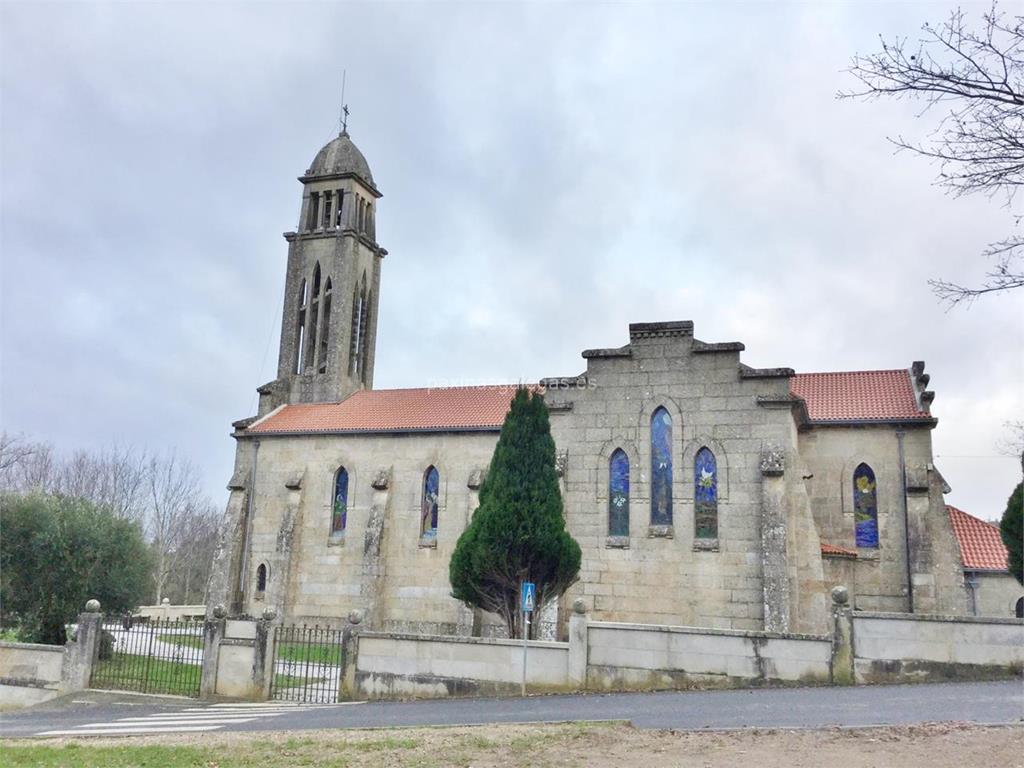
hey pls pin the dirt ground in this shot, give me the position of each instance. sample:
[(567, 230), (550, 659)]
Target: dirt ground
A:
[(602, 745)]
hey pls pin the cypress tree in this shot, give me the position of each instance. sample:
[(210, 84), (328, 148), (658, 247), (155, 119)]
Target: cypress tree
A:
[(518, 532), (1011, 527)]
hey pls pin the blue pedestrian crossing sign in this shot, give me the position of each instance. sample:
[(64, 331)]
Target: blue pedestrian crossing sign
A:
[(529, 596)]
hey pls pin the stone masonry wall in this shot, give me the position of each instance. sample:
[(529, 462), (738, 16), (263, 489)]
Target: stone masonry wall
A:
[(390, 576), (879, 579), (666, 576)]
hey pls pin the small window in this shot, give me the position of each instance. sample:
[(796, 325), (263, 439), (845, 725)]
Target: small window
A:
[(865, 507), (1018, 611), (313, 212), (339, 509), (325, 330), (661, 468), (705, 495), (261, 578), (341, 204), (428, 510), (327, 210), (618, 494)]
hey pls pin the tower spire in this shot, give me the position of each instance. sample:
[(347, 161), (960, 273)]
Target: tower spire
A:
[(343, 117)]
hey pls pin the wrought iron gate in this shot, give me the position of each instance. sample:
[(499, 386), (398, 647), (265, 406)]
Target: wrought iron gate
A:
[(307, 664), (149, 656)]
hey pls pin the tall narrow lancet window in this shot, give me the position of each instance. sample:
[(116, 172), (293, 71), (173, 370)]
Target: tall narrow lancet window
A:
[(865, 507), (618, 494), (364, 352), (338, 221), (661, 468), (327, 210), (313, 212), (261, 578), (325, 324), (300, 328), (428, 509), (358, 346), (705, 495), (314, 312), (339, 508)]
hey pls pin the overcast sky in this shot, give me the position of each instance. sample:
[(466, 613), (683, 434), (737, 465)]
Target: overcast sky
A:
[(551, 173)]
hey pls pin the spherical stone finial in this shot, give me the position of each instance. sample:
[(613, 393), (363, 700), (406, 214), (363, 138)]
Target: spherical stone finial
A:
[(165, 601), (269, 614), (840, 595), (92, 606), (220, 612), (355, 617), (579, 605)]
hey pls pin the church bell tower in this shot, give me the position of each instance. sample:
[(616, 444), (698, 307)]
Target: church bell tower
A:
[(329, 325)]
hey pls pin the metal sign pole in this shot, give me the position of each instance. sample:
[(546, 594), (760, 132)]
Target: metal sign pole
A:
[(527, 600), (523, 687)]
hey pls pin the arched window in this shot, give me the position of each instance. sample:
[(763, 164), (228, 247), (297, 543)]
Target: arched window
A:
[(661, 468), (1018, 610), (300, 328), (314, 311), (618, 494), (261, 578), (339, 508), (865, 507), (428, 510), (705, 495), (326, 324), (357, 353)]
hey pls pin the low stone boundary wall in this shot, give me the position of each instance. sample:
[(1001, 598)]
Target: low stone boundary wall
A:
[(899, 647), (167, 612), (31, 673), (639, 656), (425, 666)]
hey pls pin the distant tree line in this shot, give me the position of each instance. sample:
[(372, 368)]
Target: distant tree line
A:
[(158, 495)]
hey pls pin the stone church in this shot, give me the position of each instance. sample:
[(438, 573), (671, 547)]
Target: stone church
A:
[(702, 491)]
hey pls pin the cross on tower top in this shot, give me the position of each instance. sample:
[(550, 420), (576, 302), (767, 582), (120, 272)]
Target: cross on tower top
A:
[(343, 117)]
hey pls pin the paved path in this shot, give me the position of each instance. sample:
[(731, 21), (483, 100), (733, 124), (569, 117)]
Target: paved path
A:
[(994, 702)]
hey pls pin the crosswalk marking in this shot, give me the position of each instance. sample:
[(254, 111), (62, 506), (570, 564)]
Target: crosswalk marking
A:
[(190, 719)]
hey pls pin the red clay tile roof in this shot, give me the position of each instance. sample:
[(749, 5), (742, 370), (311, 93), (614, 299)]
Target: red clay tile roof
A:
[(396, 410), (858, 396), (832, 549), (831, 397), (981, 546)]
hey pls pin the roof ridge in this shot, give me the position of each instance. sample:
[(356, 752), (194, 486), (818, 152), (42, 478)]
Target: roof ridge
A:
[(840, 373)]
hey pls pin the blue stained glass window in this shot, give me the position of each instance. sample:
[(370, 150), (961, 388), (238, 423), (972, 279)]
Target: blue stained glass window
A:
[(428, 519), (339, 511), (865, 507), (661, 468), (705, 495), (618, 494)]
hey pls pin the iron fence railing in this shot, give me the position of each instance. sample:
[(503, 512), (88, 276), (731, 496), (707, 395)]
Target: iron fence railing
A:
[(150, 657), (307, 664)]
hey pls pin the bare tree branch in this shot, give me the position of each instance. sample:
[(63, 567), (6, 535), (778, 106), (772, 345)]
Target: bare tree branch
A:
[(978, 144)]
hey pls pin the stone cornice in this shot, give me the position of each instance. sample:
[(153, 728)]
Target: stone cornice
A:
[(721, 346), (660, 330), (308, 179), (746, 372), (617, 352)]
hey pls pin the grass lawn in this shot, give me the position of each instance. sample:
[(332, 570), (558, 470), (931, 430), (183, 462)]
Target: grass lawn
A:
[(582, 745), (297, 652), (131, 673)]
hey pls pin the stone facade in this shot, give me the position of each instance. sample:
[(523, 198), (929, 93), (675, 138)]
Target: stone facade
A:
[(783, 484)]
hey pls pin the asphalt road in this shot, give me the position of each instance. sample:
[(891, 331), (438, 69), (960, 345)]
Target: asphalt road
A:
[(990, 703)]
